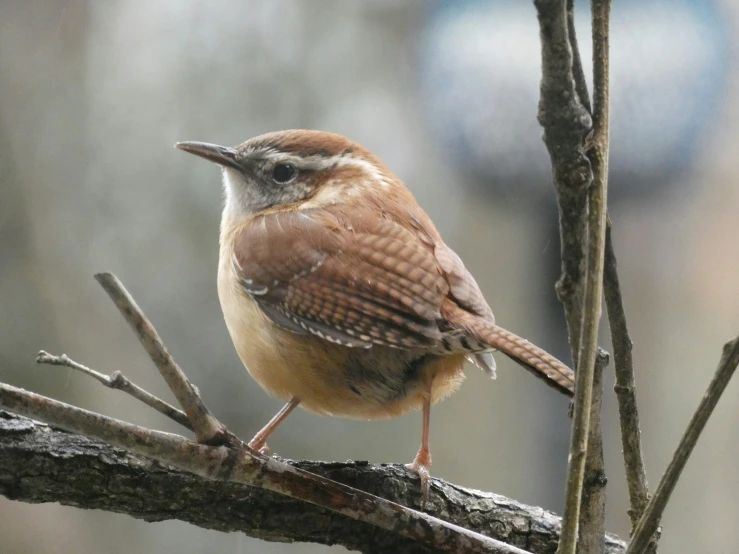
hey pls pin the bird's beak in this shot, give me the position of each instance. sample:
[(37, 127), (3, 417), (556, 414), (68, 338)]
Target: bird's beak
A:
[(221, 155)]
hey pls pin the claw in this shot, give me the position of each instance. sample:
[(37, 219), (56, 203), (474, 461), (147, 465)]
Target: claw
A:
[(420, 466), (260, 446)]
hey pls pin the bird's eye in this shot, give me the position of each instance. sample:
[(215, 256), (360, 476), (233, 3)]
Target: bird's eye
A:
[(283, 173)]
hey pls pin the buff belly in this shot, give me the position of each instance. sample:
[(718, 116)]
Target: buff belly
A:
[(373, 383)]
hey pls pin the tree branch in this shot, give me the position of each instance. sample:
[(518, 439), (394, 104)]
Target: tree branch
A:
[(650, 519), (578, 74), (208, 429), (565, 119), (566, 122), (636, 475), (118, 381), (42, 464), (593, 291), (245, 466), (593, 510)]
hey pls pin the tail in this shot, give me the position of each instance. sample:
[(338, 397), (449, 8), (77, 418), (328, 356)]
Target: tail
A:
[(542, 364), (529, 356)]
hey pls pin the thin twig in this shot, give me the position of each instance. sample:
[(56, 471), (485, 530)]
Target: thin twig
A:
[(118, 381), (208, 429), (593, 510), (578, 74), (593, 280), (650, 519), (249, 467), (636, 475)]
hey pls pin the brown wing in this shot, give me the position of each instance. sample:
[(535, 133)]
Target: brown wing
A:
[(311, 272), (462, 285), (463, 288)]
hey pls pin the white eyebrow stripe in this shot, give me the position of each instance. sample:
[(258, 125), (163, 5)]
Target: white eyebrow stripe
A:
[(350, 161), (317, 162)]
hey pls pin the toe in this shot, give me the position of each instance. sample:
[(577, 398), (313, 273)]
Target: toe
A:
[(425, 476), (260, 446)]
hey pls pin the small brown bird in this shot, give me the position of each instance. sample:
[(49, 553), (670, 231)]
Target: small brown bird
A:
[(338, 291)]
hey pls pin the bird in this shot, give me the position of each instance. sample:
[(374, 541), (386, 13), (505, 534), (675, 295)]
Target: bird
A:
[(339, 293)]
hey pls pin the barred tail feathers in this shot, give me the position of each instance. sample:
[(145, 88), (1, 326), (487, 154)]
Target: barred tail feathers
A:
[(539, 362)]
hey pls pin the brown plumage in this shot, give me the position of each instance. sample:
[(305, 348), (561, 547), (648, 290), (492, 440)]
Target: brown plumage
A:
[(338, 291)]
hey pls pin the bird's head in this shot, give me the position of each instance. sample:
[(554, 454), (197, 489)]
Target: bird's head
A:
[(295, 169)]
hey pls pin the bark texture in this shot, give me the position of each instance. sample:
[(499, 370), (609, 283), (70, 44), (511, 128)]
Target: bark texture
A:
[(42, 464)]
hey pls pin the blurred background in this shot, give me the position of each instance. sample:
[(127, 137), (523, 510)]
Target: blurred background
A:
[(94, 94)]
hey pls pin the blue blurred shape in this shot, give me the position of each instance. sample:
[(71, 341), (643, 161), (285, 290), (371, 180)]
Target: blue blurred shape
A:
[(480, 66)]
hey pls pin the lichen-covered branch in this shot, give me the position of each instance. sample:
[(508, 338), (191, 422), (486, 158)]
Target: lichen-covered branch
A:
[(566, 122), (42, 464)]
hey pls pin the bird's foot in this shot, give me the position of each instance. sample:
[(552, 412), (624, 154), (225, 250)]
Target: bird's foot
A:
[(260, 446), (420, 466)]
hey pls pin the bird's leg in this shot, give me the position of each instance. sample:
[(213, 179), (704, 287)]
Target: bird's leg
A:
[(422, 462), (259, 442)]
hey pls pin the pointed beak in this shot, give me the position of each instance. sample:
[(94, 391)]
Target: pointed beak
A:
[(221, 155)]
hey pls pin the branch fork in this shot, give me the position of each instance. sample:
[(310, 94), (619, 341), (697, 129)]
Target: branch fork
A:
[(577, 138)]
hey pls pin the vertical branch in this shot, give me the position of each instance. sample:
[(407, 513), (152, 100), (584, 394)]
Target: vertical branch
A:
[(565, 121), (593, 507), (593, 290), (578, 74), (636, 476)]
